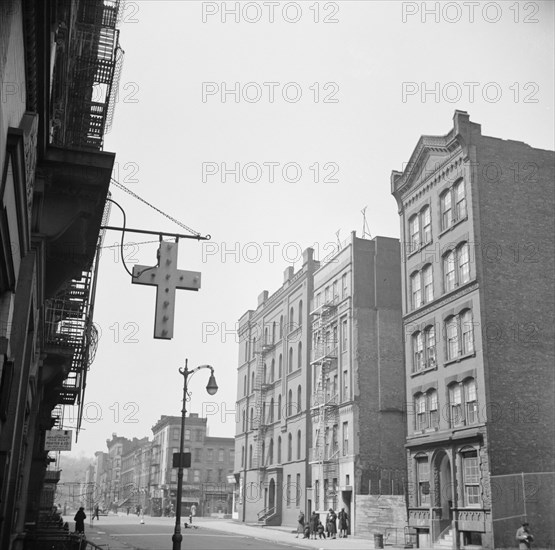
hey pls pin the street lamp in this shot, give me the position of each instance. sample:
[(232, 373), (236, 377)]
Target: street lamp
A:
[(211, 389)]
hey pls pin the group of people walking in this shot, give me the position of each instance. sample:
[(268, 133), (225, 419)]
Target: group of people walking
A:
[(314, 528)]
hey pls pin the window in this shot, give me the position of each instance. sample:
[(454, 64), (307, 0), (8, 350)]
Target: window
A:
[(471, 401), (345, 288), (418, 351), (290, 364), (253, 351), (471, 478), (427, 276), (242, 456), (433, 407), (426, 224), (335, 293), (463, 260), (455, 405), (288, 489), (245, 385), (252, 419), (460, 335), (266, 336), (317, 301), (452, 337), (252, 382), (317, 494), (263, 453), (289, 447), (291, 319), (197, 455), (271, 452), (460, 200), (300, 355), (420, 408), (209, 455), (187, 434), (281, 327), (298, 491), (185, 474), (449, 271), (250, 456), (430, 341), (290, 404), (265, 374), (423, 481), (196, 476), (221, 455), (344, 335), (208, 475), (244, 421), (334, 440), (175, 434), (299, 449), (414, 232), (280, 365), (345, 385), (416, 290), (273, 371), (273, 332), (271, 411), (326, 295), (300, 313), (446, 210), (279, 450), (279, 407), (299, 399), (345, 439)]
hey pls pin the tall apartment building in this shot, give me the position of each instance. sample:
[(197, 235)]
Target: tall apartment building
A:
[(273, 423), (357, 404), (477, 222), (205, 482)]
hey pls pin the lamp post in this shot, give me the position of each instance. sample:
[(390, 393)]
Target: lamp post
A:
[(211, 389)]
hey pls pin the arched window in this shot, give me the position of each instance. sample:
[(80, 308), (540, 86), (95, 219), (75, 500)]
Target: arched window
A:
[(245, 384), (300, 355), (279, 450), (446, 209), (274, 332), (463, 263), (252, 382), (242, 456), (250, 456), (428, 283), (290, 365), (418, 352), (290, 403), (300, 313), (252, 419), (467, 332), (433, 408), (299, 444), (416, 289), (414, 232), (280, 365), (263, 454), (273, 371), (265, 374), (253, 351), (271, 452), (451, 332), (421, 411), (426, 224), (289, 447), (449, 271), (460, 200), (244, 420), (266, 336), (281, 327), (299, 398), (247, 350), (271, 411), (430, 343), (291, 319)]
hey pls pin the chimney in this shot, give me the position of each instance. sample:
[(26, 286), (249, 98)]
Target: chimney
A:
[(262, 297), (288, 273)]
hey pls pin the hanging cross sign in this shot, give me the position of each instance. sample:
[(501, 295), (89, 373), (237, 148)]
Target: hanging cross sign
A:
[(166, 278)]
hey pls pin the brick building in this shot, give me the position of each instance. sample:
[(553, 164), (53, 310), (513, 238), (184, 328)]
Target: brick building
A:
[(205, 482), (478, 304), (273, 425), (357, 403)]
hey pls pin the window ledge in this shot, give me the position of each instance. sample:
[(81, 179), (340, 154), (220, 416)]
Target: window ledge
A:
[(422, 371), (459, 358), (419, 248), (453, 225)]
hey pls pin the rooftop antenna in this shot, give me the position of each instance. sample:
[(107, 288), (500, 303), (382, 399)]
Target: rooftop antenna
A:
[(365, 226)]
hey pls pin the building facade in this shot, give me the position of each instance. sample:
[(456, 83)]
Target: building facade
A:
[(53, 187), (357, 403), (205, 483), (477, 226), (274, 385)]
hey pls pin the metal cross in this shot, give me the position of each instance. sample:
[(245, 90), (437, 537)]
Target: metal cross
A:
[(167, 278)]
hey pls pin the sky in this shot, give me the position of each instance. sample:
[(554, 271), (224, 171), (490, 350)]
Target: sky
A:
[(270, 126)]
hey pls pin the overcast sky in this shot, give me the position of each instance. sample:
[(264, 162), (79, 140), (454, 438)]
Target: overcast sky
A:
[(331, 98)]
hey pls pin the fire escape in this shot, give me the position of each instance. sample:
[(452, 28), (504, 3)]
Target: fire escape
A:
[(325, 402)]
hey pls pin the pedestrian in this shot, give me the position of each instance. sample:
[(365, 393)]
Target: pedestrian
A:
[(343, 518), (314, 520), (307, 530), (300, 524), (96, 512), (321, 534), (524, 536), (128, 509), (193, 513), (331, 522), (80, 520)]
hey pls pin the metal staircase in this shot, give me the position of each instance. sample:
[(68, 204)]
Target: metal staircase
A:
[(325, 402)]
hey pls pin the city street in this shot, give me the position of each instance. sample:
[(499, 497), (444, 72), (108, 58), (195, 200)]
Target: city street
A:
[(126, 532)]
